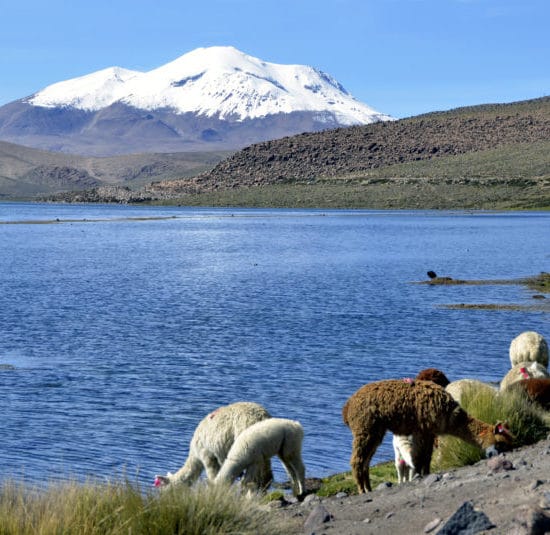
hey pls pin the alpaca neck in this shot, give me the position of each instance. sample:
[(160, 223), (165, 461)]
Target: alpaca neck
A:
[(476, 432)]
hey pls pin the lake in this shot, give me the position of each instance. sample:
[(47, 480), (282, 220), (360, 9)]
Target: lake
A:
[(122, 327)]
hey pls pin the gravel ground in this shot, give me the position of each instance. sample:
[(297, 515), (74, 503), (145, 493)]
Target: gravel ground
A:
[(509, 494)]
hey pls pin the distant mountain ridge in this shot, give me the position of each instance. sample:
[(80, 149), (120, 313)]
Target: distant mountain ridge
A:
[(215, 98)]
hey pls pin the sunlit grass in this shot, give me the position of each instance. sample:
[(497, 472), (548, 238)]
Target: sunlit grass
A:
[(527, 422), (121, 507)]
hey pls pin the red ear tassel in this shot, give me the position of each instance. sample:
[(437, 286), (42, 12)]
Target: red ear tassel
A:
[(503, 431)]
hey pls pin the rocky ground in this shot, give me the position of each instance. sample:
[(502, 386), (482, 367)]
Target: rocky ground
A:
[(509, 494)]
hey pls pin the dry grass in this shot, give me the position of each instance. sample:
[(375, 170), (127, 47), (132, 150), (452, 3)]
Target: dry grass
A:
[(90, 509)]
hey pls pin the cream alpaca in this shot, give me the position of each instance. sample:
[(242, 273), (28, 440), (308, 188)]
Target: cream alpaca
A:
[(213, 439), (471, 387), (523, 370), (403, 446), (255, 446), (529, 346), (422, 409)]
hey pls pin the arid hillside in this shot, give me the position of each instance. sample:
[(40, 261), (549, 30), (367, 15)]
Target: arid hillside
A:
[(489, 156)]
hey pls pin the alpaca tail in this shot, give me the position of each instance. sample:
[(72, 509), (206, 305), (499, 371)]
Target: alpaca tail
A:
[(345, 414)]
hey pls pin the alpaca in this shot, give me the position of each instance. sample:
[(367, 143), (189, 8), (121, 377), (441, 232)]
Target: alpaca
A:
[(529, 346), (538, 390), (418, 408), (457, 389), (523, 370), (413, 454), (213, 439), (255, 446)]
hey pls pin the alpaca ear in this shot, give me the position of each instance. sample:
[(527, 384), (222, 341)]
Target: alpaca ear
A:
[(501, 428), (161, 481)]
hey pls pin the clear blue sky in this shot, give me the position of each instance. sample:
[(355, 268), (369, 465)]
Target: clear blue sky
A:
[(402, 57)]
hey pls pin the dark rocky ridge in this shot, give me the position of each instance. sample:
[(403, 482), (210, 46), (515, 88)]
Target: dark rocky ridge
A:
[(336, 153)]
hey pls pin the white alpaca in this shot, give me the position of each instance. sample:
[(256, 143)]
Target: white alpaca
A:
[(257, 444), (529, 346), (212, 441), (403, 448), (457, 389), (523, 370)]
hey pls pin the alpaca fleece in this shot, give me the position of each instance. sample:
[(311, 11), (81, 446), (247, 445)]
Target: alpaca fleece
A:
[(413, 454), (529, 346), (255, 446), (459, 388), (419, 408), (213, 439), (538, 390), (523, 370)]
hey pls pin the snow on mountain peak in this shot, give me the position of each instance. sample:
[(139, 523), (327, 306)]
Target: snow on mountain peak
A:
[(215, 81), (90, 92)]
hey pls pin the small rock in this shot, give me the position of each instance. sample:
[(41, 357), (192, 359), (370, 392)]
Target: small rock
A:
[(318, 516), (367, 521), (466, 520), (545, 500), (532, 520), (341, 495), (384, 485), (389, 515), (430, 526), (535, 484), (311, 498), (431, 479), (499, 464)]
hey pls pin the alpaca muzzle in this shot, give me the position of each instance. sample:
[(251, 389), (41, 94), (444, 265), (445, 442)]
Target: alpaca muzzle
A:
[(491, 451)]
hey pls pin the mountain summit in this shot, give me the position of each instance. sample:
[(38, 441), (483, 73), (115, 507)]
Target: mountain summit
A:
[(210, 98)]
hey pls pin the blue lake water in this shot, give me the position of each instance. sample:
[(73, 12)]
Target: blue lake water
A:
[(118, 333)]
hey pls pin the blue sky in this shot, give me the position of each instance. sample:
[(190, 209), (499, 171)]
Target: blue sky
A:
[(402, 57)]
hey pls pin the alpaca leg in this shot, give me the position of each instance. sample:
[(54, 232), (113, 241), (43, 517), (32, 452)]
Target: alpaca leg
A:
[(212, 466), (258, 475), (423, 451), (296, 470), (364, 447)]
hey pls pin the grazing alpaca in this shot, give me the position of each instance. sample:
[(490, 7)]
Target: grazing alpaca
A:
[(418, 408), (523, 370), (413, 454), (213, 439), (457, 389), (255, 446), (529, 346), (538, 390)]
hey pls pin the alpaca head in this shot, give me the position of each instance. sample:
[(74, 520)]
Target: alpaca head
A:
[(496, 439), (434, 375), (162, 481)]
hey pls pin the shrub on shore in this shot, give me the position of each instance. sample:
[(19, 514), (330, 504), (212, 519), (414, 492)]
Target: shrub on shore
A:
[(121, 507), (527, 422)]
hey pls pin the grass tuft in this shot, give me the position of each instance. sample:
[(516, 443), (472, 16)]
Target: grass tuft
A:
[(90, 509), (527, 422)]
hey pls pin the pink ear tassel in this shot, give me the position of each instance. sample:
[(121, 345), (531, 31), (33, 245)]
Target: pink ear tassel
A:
[(157, 482), (523, 372)]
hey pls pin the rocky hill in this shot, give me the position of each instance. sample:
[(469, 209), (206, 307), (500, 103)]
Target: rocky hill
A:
[(489, 156), (360, 149)]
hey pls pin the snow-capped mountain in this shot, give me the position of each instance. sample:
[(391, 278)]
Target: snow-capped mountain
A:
[(210, 98)]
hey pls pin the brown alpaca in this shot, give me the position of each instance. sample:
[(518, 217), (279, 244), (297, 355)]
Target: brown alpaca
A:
[(413, 455), (418, 408), (434, 375), (538, 390)]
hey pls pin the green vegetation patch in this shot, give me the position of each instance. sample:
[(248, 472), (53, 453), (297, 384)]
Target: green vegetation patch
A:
[(344, 482), (527, 422), (124, 508)]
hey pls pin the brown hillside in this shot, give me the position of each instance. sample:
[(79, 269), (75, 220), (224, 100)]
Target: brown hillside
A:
[(345, 151)]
